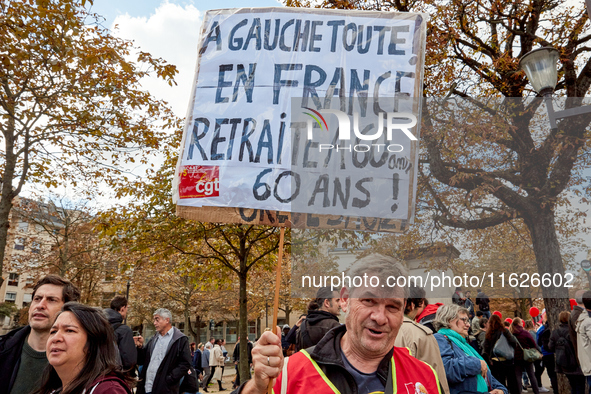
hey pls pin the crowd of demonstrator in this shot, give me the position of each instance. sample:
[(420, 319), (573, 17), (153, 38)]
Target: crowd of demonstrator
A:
[(72, 348), (517, 352), (392, 339)]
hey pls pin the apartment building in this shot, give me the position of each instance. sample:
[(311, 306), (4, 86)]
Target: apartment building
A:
[(22, 259), (54, 237)]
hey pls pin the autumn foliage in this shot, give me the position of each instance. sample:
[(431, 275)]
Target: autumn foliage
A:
[(72, 110)]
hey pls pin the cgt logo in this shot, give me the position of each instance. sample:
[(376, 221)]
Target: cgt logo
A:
[(199, 181), (392, 123)]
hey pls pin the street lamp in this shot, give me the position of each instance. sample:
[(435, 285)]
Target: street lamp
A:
[(586, 266), (540, 68)]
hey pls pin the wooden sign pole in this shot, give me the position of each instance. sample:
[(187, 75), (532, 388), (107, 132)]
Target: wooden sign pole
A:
[(277, 287)]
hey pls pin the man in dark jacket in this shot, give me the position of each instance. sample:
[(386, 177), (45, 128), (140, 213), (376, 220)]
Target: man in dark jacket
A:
[(22, 351), (197, 359), (468, 304), (123, 334), (166, 357), (458, 297), (322, 316), (292, 334), (356, 357), (483, 302), (236, 356)]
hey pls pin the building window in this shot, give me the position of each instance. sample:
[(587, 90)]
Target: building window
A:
[(10, 297), (19, 244), (111, 271), (231, 331), (27, 298), (35, 247), (218, 331), (34, 264), (23, 227), (107, 297), (12, 279), (203, 332), (252, 330)]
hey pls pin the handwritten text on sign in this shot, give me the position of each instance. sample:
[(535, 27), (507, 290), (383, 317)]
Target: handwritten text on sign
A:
[(261, 70)]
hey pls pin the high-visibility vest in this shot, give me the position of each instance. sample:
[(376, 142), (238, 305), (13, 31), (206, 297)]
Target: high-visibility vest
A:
[(409, 376)]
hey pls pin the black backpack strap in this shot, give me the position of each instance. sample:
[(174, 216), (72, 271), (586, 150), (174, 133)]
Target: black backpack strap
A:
[(304, 337)]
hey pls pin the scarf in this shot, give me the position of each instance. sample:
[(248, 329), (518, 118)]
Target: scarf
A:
[(468, 350)]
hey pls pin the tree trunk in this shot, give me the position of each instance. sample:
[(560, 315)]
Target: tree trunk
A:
[(259, 327), (5, 207), (563, 384), (242, 327), (187, 323), (8, 192), (66, 250), (197, 331), (547, 250), (287, 313)]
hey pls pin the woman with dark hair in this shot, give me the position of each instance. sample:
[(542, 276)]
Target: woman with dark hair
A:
[(82, 355), (526, 342), (501, 368)]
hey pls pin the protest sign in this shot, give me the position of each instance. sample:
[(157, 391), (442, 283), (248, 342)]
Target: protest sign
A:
[(304, 117)]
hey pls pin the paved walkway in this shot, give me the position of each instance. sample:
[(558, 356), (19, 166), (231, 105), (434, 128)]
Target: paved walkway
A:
[(545, 383), (227, 378)]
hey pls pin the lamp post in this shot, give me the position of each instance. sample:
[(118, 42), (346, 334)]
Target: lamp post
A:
[(540, 68)]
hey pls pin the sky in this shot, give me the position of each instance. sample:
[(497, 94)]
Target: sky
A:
[(167, 29)]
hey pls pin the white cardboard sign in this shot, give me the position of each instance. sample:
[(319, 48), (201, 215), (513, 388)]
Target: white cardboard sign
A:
[(270, 81)]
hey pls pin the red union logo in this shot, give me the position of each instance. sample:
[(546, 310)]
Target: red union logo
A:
[(199, 181)]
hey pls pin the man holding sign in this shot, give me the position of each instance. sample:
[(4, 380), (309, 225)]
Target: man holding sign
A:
[(358, 357), (309, 118)]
